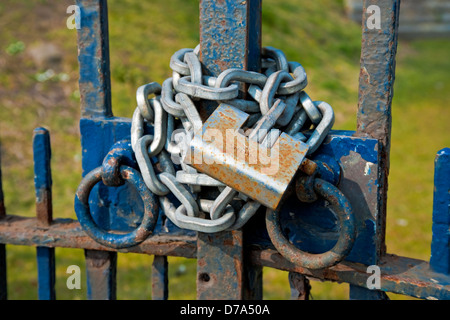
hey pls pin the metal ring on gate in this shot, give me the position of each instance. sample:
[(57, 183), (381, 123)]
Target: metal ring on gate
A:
[(106, 238), (341, 249)]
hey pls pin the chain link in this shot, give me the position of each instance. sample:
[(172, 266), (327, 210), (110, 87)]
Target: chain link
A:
[(275, 102)]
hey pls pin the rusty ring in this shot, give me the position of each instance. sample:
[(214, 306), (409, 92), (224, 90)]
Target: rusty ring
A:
[(114, 240), (341, 249)]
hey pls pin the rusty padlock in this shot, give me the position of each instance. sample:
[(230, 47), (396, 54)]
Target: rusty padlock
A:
[(223, 151)]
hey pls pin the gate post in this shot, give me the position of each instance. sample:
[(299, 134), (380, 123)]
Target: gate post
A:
[(374, 119), (95, 91), (230, 37)]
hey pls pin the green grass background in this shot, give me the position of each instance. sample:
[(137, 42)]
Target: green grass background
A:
[(143, 36)]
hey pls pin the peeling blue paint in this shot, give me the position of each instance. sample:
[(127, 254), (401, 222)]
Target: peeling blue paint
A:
[(115, 208), (440, 245), (42, 158)]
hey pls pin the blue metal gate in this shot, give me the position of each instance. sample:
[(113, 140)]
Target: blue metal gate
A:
[(229, 263)]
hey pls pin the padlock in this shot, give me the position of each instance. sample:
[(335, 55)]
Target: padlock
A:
[(223, 151)]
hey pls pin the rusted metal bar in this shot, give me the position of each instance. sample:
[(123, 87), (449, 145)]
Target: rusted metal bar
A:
[(93, 57), (160, 278), (44, 213), (101, 274), (43, 176), (300, 287), (3, 282), (376, 82), (230, 37), (95, 90), (67, 233), (440, 244), (398, 274)]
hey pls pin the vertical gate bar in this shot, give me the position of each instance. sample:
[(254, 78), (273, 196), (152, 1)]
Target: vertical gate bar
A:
[(101, 267), (160, 278), (44, 211), (93, 58), (46, 273), (376, 82), (230, 37), (95, 91), (3, 282), (43, 176), (300, 287), (440, 244)]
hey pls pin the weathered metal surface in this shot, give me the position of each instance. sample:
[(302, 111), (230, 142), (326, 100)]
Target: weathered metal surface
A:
[(220, 266), (313, 227), (44, 211), (222, 151), (117, 208), (360, 293), (42, 176), (341, 207), (93, 57), (95, 91), (67, 233), (160, 278), (122, 240), (230, 37), (120, 154), (440, 245), (101, 274), (46, 273), (300, 287), (398, 274), (376, 83)]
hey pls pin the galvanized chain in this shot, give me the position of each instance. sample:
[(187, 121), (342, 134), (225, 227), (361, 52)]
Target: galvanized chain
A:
[(277, 103)]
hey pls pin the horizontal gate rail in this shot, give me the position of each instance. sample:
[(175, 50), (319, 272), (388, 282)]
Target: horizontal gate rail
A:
[(398, 274)]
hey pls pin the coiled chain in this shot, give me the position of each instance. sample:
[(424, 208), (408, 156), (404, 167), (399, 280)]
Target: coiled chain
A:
[(276, 102)]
